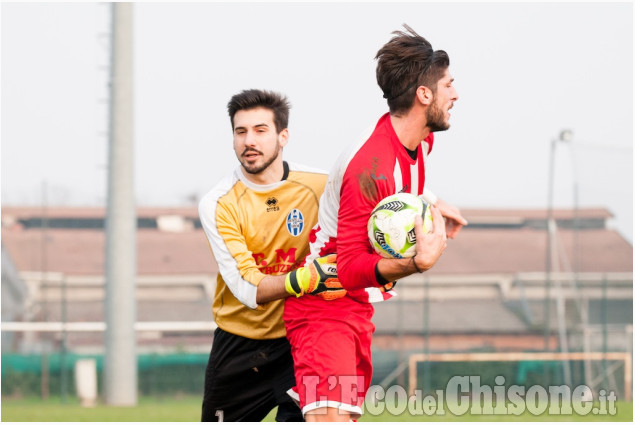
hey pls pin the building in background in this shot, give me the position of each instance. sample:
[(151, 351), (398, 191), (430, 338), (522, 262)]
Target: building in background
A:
[(59, 254), (488, 290), (487, 293)]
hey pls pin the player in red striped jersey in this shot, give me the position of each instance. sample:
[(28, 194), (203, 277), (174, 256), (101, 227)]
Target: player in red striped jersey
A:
[(331, 341)]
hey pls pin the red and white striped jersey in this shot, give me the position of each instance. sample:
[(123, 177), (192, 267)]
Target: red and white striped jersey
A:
[(375, 167)]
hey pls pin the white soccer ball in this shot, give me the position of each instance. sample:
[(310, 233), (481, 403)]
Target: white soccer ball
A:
[(391, 226)]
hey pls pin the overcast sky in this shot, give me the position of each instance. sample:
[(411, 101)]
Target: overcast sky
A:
[(523, 71)]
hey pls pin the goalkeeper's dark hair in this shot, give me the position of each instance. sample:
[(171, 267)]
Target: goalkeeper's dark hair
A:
[(253, 98), (406, 62)]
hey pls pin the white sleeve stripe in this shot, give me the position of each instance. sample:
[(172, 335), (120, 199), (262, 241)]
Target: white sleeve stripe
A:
[(243, 290), (397, 176), (429, 196), (330, 200), (414, 178)]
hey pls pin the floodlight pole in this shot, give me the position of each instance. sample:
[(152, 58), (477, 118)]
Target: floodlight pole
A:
[(547, 303), (551, 259), (120, 363)]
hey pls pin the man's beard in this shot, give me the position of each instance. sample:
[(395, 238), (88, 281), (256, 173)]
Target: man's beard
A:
[(255, 168), (436, 118)]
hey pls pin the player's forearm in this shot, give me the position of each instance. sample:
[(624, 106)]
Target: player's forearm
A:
[(356, 268), (271, 288), (394, 269), (356, 265)]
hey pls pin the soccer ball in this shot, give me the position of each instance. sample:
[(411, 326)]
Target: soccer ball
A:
[(391, 226)]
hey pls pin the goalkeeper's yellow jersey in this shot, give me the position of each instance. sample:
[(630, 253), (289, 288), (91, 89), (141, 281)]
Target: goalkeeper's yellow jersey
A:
[(256, 230)]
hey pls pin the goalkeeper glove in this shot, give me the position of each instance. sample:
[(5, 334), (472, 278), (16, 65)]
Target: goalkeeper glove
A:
[(318, 278)]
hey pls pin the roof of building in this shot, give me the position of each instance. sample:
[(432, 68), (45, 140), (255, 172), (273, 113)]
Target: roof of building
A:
[(82, 252), (524, 250), (496, 241)]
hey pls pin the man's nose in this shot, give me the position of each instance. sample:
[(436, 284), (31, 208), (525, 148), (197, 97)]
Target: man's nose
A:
[(250, 138)]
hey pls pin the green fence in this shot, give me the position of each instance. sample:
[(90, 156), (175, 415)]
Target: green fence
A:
[(158, 373), (183, 373)]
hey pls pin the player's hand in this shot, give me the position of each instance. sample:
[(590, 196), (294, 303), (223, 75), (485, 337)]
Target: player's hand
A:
[(454, 221), (318, 278), (431, 245)]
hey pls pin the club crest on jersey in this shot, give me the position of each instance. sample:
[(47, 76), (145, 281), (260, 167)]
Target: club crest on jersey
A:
[(295, 222)]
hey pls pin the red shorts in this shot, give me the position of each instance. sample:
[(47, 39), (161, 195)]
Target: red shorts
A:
[(330, 344)]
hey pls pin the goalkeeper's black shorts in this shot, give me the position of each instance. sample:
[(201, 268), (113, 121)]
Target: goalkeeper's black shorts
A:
[(246, 378)]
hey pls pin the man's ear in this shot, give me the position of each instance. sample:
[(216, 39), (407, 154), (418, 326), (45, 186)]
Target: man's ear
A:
[(424, 95), (283, 137)]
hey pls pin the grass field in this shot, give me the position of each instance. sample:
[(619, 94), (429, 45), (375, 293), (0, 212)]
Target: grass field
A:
[(187, 409)]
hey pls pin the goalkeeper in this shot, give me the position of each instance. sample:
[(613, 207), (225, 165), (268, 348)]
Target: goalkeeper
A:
[(257, 221)]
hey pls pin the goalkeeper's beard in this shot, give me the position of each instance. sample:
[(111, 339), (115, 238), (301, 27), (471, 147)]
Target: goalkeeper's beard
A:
[(255, 168)]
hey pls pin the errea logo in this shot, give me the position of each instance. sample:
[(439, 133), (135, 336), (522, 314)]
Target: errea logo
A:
[(295, 222), (272, 205)]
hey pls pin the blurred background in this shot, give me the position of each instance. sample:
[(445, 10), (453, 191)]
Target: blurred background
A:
[(539, 159)]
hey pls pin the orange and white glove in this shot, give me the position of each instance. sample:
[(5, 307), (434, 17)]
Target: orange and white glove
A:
[(318, 278)]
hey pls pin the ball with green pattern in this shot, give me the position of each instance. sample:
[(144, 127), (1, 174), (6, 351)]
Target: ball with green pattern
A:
[(391, 225)]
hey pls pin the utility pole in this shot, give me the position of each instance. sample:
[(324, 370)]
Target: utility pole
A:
[(552, 261), (44, 383), (120, 365)]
